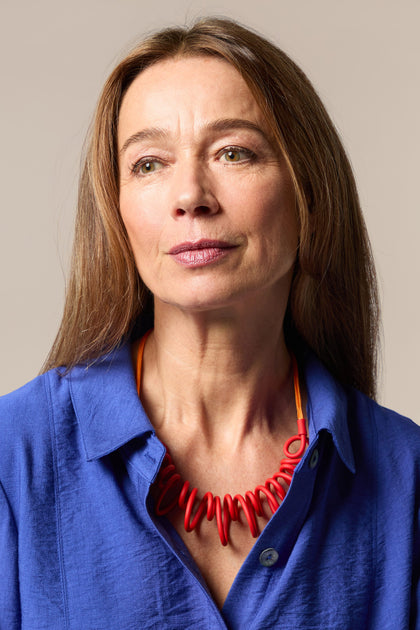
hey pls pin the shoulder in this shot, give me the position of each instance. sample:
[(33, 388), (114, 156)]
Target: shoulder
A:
[(27, 406), (395, 437), (33, 416), (360, 426), (49, 393), (390, 424), (25, 421), (331, 398)]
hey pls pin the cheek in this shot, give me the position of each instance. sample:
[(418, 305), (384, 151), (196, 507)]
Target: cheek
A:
[(141, 217), (137, 211), (275, 219), (141, 221)]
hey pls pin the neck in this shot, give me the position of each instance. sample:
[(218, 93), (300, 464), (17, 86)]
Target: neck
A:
[(222, 375)]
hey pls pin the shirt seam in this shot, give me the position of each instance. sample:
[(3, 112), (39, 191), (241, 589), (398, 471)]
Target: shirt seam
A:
[(374, 557), (3, 490), (57, 505), (73, 402)]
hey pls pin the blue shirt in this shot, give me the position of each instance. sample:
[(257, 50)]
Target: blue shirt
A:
[(80, 548)]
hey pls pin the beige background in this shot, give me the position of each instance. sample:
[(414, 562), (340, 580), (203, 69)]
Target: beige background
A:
[(362, 55)]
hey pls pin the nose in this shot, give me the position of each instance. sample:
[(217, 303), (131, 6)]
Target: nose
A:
[(192, 192)]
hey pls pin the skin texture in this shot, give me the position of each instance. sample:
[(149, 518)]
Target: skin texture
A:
[(198, 164), (188, 190)]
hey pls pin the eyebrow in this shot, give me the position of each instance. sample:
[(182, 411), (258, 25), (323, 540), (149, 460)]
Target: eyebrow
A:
[(220, 125)]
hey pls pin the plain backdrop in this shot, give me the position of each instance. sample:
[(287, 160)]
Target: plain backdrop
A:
[(363, 56)]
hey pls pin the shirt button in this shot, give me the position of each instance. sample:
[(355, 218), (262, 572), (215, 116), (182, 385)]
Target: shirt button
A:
[(268, 557), (313, 462)]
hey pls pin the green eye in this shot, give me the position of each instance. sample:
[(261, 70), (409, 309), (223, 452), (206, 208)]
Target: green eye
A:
[(232, 156), (236, 154), (147, 167)]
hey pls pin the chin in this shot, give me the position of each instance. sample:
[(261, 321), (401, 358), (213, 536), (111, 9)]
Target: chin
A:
[(205, 298), (199, 304)]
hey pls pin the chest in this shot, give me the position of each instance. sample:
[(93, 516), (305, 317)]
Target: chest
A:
[(218, 564), (104, 561)]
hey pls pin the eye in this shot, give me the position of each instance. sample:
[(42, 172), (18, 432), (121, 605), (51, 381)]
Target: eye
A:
[(236, 154), (146, 166)]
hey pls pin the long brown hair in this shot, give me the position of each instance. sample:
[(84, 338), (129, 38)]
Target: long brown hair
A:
[(333, 305)]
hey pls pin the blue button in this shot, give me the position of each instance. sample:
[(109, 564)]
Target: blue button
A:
[(268, 557)]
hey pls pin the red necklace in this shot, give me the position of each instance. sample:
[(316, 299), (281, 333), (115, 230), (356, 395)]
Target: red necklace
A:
[(169, 481)]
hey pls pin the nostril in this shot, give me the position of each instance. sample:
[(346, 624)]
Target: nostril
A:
[(202, 210), (198, 210)]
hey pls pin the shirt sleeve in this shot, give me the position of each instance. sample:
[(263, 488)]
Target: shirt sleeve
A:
[(9, 581)]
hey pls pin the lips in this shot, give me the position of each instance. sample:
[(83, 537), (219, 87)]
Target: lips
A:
[(200, 253), (203, 244)]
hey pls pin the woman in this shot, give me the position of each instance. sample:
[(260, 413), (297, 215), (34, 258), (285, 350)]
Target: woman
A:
[(222, 274)]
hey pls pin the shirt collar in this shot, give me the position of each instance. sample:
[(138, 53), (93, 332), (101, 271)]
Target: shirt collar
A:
[(106, 404), (110, 414), (327, 408)]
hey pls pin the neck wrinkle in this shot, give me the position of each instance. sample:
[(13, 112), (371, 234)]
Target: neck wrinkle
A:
[(222, 381)]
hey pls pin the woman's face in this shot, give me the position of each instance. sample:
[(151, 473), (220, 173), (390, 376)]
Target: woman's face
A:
[(206, 199)]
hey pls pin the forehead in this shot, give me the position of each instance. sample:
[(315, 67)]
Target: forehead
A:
[(186, 91)]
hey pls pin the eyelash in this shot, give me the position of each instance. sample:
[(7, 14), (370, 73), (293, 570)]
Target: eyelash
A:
[(250, 156)]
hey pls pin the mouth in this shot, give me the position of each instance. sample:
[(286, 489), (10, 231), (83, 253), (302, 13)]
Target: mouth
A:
[(203, 244), (200, 253)]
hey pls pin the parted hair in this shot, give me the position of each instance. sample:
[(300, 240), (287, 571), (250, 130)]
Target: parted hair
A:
[(333, 304)]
